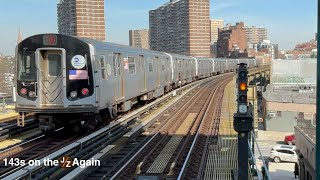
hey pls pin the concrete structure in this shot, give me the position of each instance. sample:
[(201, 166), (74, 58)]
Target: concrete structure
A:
[(82, 18), (294, 72), (215, 26), (181, 27), (255, 34), (305, 138), (230, 39), (292, 91), (139, 38), (281, 106)]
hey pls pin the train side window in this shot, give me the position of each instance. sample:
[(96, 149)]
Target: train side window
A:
[(141, 62), (132, 65), (103, 67), (26, 66), (28, 62), (150, 65)]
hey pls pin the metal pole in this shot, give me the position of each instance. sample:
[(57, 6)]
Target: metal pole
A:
[(317, 170), (252, 147), (4, 105), (243, 152)]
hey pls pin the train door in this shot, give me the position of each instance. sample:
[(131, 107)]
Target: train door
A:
[(101, 64), (143, 79), (50, 79), (166, 68), (119, 77), (182, 70), (157, 64)]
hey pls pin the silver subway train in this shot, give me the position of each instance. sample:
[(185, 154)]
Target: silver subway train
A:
[(83, 82)]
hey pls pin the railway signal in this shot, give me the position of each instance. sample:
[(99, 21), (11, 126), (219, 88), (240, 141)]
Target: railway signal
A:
[(242, 82), (242, 119), (242, 122)]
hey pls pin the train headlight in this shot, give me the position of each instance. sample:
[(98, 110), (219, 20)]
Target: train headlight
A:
[(32, 94), (23, 91), (73, 94), (85, 91)]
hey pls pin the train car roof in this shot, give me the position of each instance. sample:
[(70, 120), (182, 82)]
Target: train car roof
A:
[(180, 56), (102, 45), (204, 59), (114, 46)]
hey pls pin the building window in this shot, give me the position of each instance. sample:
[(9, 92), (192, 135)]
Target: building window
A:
[(132, 65), (279, 113)]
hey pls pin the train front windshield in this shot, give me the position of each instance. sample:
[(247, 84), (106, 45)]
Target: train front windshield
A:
[(26, 66)]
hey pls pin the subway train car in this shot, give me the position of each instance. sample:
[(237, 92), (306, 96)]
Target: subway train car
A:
[(219, 65), (184, 70), (81, 82), (205, 67)]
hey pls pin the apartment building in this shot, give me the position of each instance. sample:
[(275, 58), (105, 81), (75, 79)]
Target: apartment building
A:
[(255, 34), (139, 38), (215, 26), (181, 27), (82, 18), (231, 38)]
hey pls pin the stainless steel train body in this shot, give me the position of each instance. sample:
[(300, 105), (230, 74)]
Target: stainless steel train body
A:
[(219, 65), (183, 69), (62, 77)]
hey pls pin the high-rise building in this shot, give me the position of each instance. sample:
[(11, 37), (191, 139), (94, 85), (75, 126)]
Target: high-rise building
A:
[(182, 27), (215, 25), (139, 38), (255, 34), (231, 39), (19, 39), (82, 18)]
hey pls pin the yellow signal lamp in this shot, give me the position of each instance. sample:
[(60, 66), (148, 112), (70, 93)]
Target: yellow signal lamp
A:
[(243, 86)]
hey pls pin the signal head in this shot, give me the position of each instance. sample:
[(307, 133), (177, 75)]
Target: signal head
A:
[(243, 86)]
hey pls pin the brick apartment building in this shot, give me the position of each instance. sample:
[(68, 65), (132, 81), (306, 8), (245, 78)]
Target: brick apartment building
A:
[(181, 27), (231, 39), (82, 18), (139, 38)]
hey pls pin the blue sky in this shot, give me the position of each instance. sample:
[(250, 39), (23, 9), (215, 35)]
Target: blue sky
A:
[(288, 21)]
